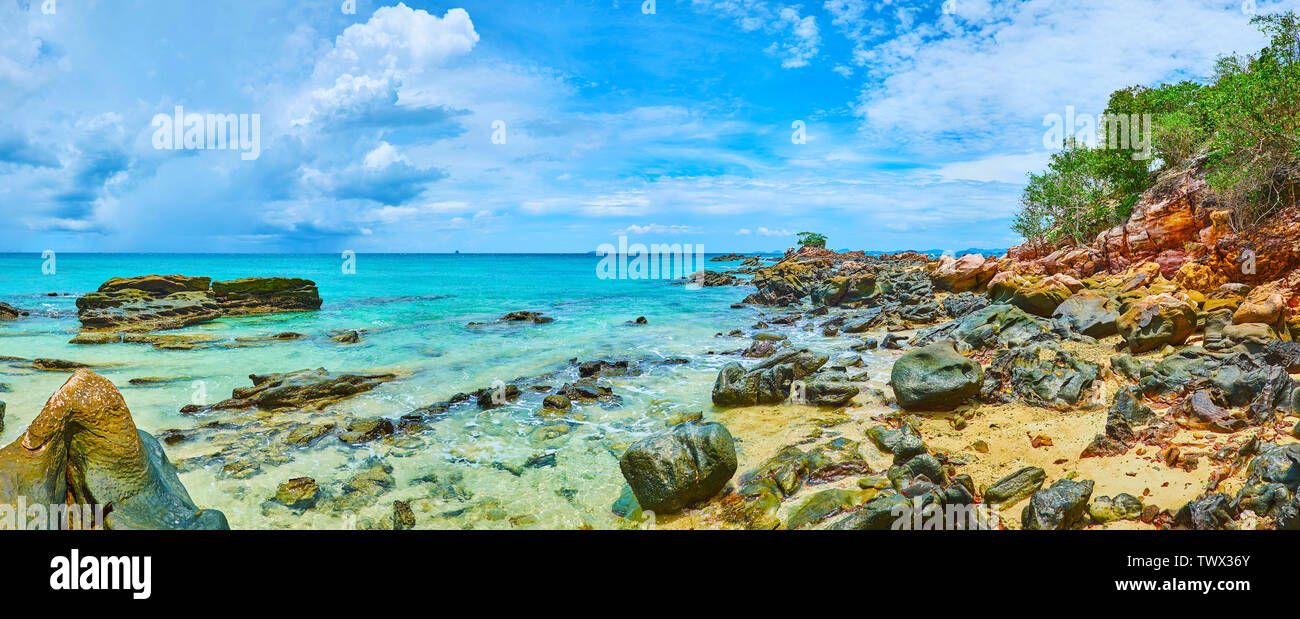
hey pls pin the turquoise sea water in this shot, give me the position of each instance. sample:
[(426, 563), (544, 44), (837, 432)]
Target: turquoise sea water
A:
[(413, 310)]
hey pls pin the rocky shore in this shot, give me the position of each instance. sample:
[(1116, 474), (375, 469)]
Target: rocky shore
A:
[(1147, 380), (1143, 381)]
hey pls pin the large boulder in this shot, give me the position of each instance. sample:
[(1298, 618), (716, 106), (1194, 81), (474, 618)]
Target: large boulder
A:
[(148, 303), (768, 382), (935, 377), (162, 302), (1087, 313), (829, 388), (1264, 304), (1155, 321), (1040, 298), (672, 470), (266, 295), (845, 290), (996, 326), (83, 449), (970, 272), (9, 312), (1060, 506)]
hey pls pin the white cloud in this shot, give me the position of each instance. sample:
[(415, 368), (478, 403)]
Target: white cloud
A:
[(369, 62), (383, 156), (995, 169), (656, 229), (990, 73), (800, 38)]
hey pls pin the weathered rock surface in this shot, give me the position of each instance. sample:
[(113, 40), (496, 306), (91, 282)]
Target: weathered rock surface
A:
[(303, 389), (1087, 313), (84, 449), (768, 382), (162, 302), (1060, 506), (970, 272), (1156, 321), (935, 377), (1041, 374), (9, 312), (672, 470), (996, 326)]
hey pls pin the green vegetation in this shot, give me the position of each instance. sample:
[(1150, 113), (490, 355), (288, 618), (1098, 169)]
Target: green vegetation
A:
[(812, 239), (1246, 121)]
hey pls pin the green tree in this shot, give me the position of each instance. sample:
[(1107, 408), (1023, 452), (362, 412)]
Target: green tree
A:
[(812, 239)]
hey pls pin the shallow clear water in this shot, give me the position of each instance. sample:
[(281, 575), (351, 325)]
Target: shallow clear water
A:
[(414, 310)]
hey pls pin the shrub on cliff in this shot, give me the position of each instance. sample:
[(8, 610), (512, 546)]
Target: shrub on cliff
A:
[(1247, 118)]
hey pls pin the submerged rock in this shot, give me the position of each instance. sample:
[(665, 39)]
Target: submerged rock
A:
[(84, 449), (686, 465), (298, 493), (303, 389), (935, 377)]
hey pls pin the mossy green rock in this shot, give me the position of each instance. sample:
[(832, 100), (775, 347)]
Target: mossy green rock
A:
[(935, 378), (823, 505), (1121, 507), (1015, 487), (688, 464)]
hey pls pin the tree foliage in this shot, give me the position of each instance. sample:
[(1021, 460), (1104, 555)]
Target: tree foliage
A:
[(1245, 119), (812, 239)]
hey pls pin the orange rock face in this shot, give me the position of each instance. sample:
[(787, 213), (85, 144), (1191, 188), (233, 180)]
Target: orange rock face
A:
[(1198, 277), (970, 272), (1264, 304), (1167, 218)]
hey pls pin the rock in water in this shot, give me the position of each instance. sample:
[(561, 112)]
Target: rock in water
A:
[(1059, 506), (935, 377), (2, 416), (688, 464), (162, 302), (303, 389), (9, 312), (266, 295), (84, 449)]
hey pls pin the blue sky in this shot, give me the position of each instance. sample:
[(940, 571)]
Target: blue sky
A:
[(377, 127)]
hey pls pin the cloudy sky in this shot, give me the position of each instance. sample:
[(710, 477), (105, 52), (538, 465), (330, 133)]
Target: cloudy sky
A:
[(558, 125)]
